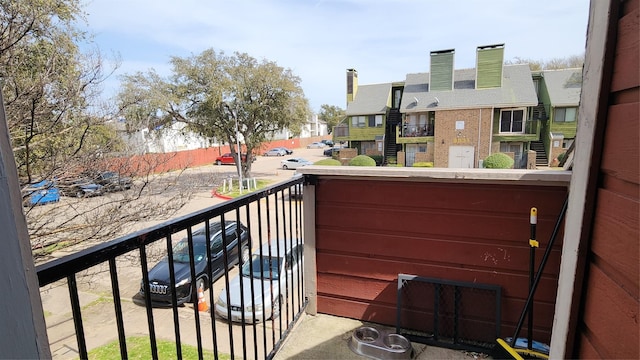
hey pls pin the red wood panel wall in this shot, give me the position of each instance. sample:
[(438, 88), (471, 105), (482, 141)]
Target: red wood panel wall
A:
[(369, 231), (609, 319)]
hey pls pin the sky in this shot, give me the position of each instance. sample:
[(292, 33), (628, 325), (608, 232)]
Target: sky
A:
[(319, 40)]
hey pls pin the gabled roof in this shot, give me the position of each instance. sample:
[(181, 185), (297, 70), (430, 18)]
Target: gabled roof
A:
[(563, 86), (370, 99), (517, 90)]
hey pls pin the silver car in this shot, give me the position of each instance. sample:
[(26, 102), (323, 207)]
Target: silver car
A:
[(316, 145), (294, 163), (274, 271), (275, 152)]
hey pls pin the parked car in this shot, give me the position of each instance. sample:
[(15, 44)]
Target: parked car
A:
[(330, 151), (113, 181), (327, 142), (316, 145), (159, 275), (287, 150), (40, 193), (226, 159), (294, 163), (81, 187), (272, 269), (275, 152)]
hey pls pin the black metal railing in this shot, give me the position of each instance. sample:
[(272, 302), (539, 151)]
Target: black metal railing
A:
[(452, 314), (416, 130), (271, 215)]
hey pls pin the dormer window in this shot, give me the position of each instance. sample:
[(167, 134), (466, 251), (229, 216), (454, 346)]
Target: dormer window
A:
[(512, 121)]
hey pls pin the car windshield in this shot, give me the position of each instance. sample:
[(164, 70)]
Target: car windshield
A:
[(264, 267), (181, 251)]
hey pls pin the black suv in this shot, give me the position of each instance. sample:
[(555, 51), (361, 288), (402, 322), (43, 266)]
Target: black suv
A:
[(159, 276)]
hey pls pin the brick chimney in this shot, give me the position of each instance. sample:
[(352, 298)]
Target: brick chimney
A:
[(352, 84), (441, 73)]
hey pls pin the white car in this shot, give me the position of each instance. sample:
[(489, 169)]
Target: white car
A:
[(266, 272), (294, 163), (316, 145)]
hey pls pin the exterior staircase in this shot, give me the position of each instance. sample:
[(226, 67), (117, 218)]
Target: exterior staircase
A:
[(541, 154), (390, 146)]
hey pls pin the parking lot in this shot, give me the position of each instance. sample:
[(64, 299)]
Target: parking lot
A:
[(94, 285)]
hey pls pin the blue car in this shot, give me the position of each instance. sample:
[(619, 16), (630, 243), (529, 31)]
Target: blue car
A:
[(40, 193)]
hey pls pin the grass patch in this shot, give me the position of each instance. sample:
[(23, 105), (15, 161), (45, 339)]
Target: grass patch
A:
[(51, 248), (139, 347), (102, 299), (235, 192)]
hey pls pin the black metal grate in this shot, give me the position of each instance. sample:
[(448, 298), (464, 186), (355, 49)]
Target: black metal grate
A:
[(452, 314)]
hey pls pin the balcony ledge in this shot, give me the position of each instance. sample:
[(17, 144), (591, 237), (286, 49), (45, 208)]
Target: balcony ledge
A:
[(484, 176)]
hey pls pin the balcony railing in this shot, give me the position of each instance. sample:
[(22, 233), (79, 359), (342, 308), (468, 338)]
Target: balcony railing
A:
[(269, 215), (416, 131)]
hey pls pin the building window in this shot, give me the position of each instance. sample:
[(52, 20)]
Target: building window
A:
[(375, 120), (358, 121), (512, 121), (368, 147), (565, 114)]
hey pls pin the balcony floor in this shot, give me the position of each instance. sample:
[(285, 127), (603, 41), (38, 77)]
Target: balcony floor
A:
[(327, 337)]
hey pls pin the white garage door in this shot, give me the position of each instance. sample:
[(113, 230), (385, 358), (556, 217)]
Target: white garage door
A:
[(461, 157)]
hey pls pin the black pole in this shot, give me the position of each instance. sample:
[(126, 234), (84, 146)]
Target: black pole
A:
[(533, 244), (545, 257)]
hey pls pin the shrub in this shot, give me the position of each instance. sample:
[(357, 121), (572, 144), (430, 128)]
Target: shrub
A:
[(498, 161), (377, 159), (392, 159), (561, 157), (362, 160), (328, 162), (423, 164)]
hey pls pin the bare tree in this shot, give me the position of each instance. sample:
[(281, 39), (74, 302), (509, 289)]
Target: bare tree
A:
[(52, 94), (573, 61)]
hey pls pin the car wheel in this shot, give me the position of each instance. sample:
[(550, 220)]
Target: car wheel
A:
[(79, 193), (284, 167), (246, 254), (276, 308), (218, 162)]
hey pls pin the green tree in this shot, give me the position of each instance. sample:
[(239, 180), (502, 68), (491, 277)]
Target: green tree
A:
[(51, 93), (48, 84), (230, 98), (332, 115)]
